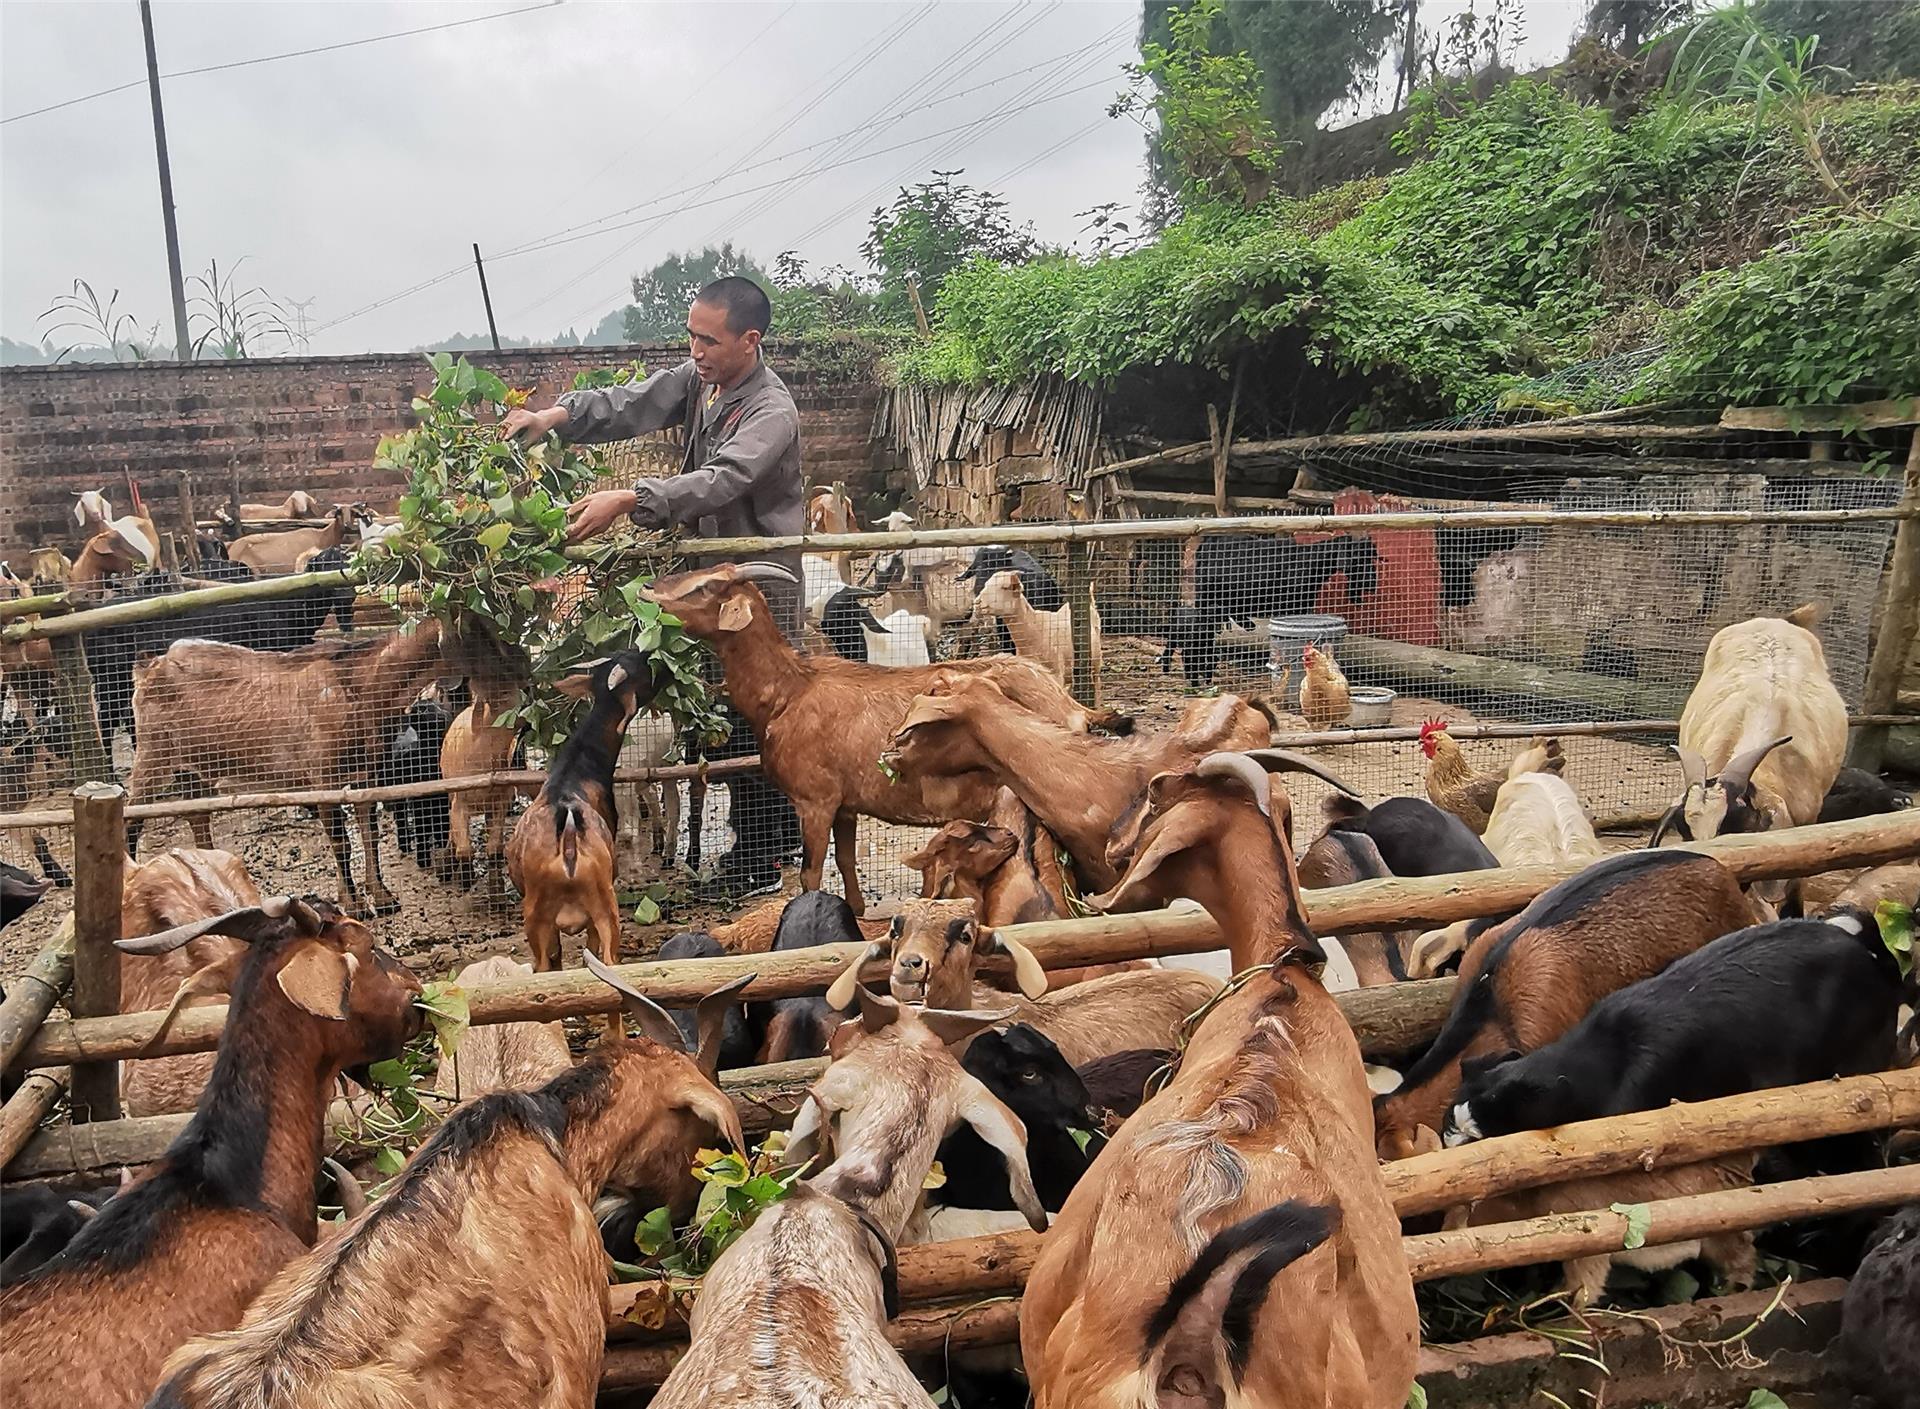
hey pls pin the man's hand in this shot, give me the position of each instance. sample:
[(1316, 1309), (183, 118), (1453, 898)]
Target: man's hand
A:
[(597, 513), (529, 426)]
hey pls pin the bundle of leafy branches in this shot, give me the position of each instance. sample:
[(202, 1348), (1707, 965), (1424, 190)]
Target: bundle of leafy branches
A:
[(483, 538)]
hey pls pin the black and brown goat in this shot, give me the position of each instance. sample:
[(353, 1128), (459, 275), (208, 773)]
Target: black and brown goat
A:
[(489, 1225), (185, 1249), (1526, 980), (562, 853)]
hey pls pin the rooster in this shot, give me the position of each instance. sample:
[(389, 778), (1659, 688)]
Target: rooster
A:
[(1468, 795), (1324, 698)]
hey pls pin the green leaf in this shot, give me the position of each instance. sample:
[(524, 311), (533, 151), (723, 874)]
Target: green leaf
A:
[(1896, 932), (389, 1161), (1417, 1396), (1082, 1138), (654, 1233), (1765, 1399), (447, 1014), (494, 537), (390, 1073), (1637, 1220), (647, 912)]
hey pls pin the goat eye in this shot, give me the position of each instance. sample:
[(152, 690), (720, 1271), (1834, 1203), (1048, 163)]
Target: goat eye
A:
[(1029, 1075)]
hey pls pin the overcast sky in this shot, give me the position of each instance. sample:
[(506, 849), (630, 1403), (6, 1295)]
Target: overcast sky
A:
[(626, 131)]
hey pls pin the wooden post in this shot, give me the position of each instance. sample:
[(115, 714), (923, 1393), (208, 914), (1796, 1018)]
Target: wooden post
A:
[(189, 527), (32, 996), (73, 684), (99, 866), (1223, 440), (1086, 680), (919, 309), (26, 1108), (1899, 622)]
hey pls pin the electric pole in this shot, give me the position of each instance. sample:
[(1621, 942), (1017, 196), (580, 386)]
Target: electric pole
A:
[(486, 297), (182, 343)]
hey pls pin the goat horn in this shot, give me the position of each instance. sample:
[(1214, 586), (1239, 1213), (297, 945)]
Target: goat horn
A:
[(840, 993), (1287, 761), (1240, 768), (1738, 774), (1693, 768), (655, 1022), (763, 572), (1027, 971), (710, 1020), (245, 924), (353, 1198)]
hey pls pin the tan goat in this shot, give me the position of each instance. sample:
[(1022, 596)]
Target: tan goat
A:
[(280, 552), (1009, 865), (935, 945), (1234, 1245), (316, 717), (1044, 636), (475, 745), (490, 1231), (512, 1056)]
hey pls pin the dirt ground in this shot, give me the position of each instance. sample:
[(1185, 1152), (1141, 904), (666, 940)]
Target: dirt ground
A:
[(439, 928)]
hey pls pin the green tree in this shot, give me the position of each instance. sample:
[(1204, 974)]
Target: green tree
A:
[(661, 295), (932, 229), (1628, 24), (1868, 40)]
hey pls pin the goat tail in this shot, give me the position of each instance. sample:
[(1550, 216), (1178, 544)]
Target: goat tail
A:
[(1344, 812), (1205, 1313), (567, 825)]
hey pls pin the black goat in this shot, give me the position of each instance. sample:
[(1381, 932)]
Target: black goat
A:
[(20, 891), (1877, 1353), (1771, 1005), (1118, 1083), (845, 622), (1414, 837), (799, 1027), (36, 1222), (422, 825), (738, 1046), (1026, 1071), (1858, 793), (1240, 578)]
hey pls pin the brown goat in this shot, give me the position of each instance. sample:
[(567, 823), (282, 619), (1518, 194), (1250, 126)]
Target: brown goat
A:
[(489, 1226), (280, 552), (1526, 980), (822, 722), (1008, 865), (935, 945), (474, 745), (184, 1249), (177, 888), (1084, 789), (752, 930), (561, 857), (316, 717), (1234, 1244), (502, 1056)]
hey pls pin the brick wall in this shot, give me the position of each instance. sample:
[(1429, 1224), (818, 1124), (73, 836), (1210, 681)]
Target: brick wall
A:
[(297, 423)]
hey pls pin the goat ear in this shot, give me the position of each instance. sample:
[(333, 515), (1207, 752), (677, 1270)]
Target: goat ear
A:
[(710, 1017), (1424, 1142), (1693, 768), (575, 684), (952, 1026), (877, 1011), (713, 1106), (319, 980), (735, 614), (1002, 1129), (1026, 969), (1434, 948), (1173, 833), (810, 1129), (840, 993), (655, 1022), (248, 924)]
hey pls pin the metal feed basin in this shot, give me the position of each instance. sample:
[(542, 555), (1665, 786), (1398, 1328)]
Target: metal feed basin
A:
[(1287, 634)]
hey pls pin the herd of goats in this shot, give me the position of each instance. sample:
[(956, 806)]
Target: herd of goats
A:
[(1201, 1144)]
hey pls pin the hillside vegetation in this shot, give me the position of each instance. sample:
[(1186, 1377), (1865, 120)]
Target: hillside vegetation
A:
[(1766, 254)]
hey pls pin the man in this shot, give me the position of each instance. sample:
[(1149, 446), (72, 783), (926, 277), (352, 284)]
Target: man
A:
[(740, 474)]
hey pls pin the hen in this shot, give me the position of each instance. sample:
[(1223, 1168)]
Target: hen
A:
[(1324, 698), (1457, 788)]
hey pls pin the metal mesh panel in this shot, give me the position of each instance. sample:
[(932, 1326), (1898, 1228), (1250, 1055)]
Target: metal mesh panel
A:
[(1535, 626)]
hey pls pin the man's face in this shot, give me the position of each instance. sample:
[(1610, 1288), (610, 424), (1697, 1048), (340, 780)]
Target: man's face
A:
[(721, 356)]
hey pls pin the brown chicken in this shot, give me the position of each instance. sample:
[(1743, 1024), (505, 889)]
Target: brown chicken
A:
[(1324, 698), (1454, 786)]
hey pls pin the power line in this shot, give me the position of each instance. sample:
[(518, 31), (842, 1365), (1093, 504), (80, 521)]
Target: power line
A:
[(276, 58)]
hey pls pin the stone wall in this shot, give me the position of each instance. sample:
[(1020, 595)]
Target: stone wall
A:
[(300, 423)]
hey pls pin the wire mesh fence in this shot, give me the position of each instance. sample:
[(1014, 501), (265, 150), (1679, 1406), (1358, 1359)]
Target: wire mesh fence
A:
[(1591, 609)]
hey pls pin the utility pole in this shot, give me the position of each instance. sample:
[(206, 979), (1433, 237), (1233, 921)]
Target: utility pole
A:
[(486, 297), (183, 345)]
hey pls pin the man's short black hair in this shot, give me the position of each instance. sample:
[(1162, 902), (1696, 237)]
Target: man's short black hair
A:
[(746, 303)]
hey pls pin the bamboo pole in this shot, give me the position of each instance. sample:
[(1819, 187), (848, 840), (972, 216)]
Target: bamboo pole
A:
[(32, 996), (516, 777), (33, 606), (174, 604), (1079, 592), (73, 686), (1392, 903), (99, 862), (1899, 623), (1683, 1133), (1559, 1236), (26, 1108)]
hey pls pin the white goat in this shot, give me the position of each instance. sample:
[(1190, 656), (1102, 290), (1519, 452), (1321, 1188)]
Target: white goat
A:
[(821, 577), (904, 641), (1764, 732), (92, 511), (1046, 636), (652, 741)]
